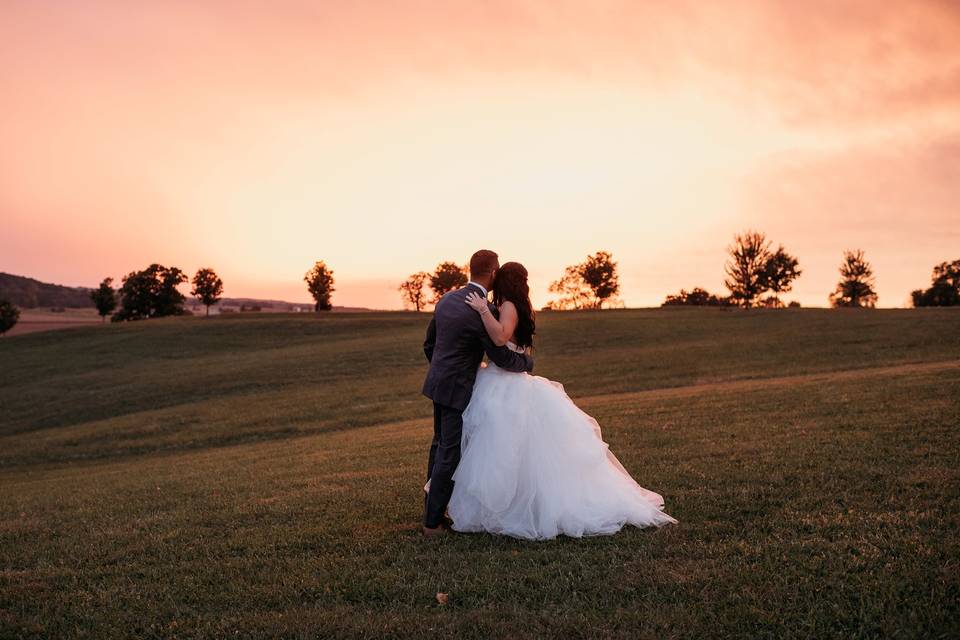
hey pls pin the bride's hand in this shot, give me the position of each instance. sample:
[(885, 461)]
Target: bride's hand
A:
[(477, 302)]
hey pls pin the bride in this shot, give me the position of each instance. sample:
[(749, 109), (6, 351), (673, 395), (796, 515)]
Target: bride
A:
[(534, 465)]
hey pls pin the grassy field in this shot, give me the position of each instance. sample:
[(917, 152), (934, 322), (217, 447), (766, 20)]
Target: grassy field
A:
[(252, 476), (32, 320)]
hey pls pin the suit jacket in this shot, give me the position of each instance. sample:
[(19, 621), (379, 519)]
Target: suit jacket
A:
[(455, 343)]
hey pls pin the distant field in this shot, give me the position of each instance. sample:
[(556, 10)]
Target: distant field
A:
[(259, 475), (33, 320), (43, 319)]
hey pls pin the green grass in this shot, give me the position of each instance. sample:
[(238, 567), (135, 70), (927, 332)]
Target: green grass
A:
[(260, 476)]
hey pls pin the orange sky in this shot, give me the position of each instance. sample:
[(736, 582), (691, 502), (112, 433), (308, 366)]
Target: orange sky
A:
[(256, 137)]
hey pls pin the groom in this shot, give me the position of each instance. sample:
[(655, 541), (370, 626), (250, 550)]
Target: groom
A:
[(455, 344)]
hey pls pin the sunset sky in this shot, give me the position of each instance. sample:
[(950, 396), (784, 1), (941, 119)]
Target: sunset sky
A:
[(385, 137)]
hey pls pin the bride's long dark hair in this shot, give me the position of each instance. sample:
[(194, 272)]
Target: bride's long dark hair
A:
[(510, 283)]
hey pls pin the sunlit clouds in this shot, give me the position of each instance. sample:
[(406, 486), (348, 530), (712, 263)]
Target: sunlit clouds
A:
[(384, 138)]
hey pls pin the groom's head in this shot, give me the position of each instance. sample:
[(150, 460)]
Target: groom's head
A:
[(483, 266)]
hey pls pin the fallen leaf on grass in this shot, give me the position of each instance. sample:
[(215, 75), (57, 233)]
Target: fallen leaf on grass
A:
[(442, 598)]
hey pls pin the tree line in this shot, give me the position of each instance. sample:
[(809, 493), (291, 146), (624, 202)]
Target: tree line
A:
[(754, 270), (756, 275), (153, 293), (587, 285), (149, 293)]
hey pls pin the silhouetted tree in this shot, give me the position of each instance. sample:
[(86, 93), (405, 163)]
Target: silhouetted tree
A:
[(599, 272), (779, 272), (573, 291), (447, 277), (412, 291), (320, 284), (104, 298), (746, 268), (696, 298), (587, 285), (944, 290), (793, 304), (207, 288), (151, 293), (856, 287), (9, 315)]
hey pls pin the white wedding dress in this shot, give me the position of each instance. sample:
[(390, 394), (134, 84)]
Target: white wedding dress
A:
[(534, 466)]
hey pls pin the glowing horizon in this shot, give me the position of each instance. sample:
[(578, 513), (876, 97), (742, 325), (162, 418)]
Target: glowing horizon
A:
[(384, 139)]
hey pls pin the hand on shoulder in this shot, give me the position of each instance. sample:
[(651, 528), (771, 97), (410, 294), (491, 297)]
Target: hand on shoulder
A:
[(477, 302)]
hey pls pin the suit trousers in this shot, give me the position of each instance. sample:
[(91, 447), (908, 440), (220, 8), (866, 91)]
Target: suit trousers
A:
[(443, 461)]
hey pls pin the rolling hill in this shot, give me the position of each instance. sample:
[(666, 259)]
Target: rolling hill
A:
[(29, 293), (259, 475)]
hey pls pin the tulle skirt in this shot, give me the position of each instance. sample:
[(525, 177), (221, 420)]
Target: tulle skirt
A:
[(534, 466)]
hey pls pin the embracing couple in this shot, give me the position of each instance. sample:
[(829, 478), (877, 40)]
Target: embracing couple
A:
[(511, 453)]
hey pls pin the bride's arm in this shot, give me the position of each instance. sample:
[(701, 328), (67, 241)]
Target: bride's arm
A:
[(498, 330)]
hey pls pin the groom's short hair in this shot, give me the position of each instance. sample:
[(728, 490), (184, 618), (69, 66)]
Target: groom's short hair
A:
[(483, 262)]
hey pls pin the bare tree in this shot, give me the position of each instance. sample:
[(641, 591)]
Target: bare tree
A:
[(587, 285), (412, 290), (573, 291)]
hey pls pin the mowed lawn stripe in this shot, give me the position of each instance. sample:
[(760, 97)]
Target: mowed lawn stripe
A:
[(124, 436), (807, 508), (189, 383), (398, 430), (774, 381)]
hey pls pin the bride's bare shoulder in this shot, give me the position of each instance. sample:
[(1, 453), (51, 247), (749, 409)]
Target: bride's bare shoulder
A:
[(506, 305)]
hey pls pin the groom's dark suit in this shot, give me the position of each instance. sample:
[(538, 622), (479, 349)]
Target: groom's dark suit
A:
[(455, 344)]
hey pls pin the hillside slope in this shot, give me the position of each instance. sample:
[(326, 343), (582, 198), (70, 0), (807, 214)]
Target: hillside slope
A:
[(29, 293), (260, 477), (197, 382)]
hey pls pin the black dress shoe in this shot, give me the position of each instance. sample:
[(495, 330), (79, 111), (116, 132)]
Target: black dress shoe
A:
[(445, 525), (433, 532)]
